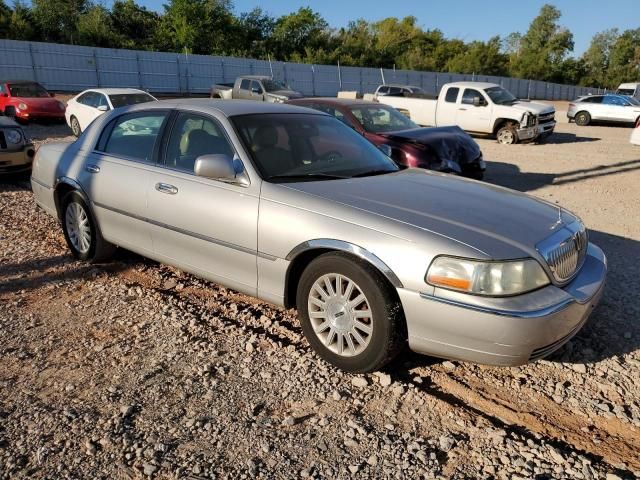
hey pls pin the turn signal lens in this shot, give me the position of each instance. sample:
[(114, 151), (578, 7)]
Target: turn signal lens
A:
[(479, 277)]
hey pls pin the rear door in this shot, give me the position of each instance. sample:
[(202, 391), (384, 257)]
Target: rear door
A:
[(244, 89), (447, 108), (474, 118), (116, 174), (203, 225)]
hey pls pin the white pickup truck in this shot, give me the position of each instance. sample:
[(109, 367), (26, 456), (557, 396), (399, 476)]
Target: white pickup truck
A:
[(478, 107)]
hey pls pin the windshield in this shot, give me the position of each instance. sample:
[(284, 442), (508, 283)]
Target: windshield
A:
[(500, 96), (274, 85), (380, 119), (30, 90), (299, 147), (632, 101), (626, 91), (124, 99)]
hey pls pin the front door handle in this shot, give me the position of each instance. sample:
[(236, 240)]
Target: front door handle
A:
[(166, 188), (92, 168), (462, 109)]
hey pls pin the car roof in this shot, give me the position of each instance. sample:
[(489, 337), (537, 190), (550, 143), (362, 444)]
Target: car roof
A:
[(481, 85), (345, 102), (401, 85), (113, 91), (229, 108), (256, 77)]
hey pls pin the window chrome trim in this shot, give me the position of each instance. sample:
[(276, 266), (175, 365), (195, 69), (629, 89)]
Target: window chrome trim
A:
[(189, 233), (358, 251)]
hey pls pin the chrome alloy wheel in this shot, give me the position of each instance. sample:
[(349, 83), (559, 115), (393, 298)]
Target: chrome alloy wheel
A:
[(78, 227), (340, 314)]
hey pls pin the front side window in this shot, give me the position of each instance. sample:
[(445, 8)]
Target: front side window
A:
[(255, 87), (101, 101), (28, 90), (469, 96), (88, 99), (299, 147), (134, 136), (379, 119), (617, 101), (383, 90), (194, 135), (452, 95)]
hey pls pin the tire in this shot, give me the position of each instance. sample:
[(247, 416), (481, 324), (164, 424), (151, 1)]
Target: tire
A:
[(582, 119), (507, 135), (81, 231), (75, 126), (380, 322)]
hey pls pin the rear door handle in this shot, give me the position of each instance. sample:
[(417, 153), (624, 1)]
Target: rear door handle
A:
[(166, 188), (92, 168), (462, 109)]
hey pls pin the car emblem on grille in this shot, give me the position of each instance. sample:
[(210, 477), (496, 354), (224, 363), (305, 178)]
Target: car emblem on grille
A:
[(565, 250)]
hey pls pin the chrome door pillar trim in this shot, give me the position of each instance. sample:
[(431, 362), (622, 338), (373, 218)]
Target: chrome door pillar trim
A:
[(332, 244)]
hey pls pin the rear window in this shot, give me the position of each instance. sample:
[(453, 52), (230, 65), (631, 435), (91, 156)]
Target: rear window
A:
[(122, 100), (452, 95)]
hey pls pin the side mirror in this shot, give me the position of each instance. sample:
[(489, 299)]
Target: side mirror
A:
[(103, 108), (217, 166), (256, 90), (386, 149), (479, 102)]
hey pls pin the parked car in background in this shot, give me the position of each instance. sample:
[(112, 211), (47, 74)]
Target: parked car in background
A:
[(27, 100), (16, 150), (393, 89), (446, 149), (476, 107), (629, 89), (254, 87), (292, 206), (635, 134), (85, 107), (608, 108)]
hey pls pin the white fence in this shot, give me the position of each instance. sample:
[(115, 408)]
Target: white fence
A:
[(71, 68)]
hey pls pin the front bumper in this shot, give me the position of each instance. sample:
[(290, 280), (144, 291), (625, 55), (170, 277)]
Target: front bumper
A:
[(503, 331), (531, 133), (15, 161), (26, 115)]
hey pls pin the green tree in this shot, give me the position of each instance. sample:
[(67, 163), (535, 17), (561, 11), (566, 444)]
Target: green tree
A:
[(624, 59), (296, 32), (596, 58), (254, 30), (56, 20), (95, 28), (5, 19), (134, 25), (485, 58), (21, 23), (542, 50)]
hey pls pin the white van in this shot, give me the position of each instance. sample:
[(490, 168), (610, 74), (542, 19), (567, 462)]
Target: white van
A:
[(629, 89)]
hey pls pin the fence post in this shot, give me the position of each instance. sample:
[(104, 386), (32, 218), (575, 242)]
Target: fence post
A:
[(339, 76), (33, 63), (139, 71), (95, 64), (178, 68), (222, 70), (313, 79)]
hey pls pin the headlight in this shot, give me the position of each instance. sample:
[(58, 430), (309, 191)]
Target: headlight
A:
[(22, 106), (479, 277), (13, 136)]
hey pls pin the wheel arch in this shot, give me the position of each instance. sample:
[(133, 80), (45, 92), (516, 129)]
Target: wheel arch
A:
[(63, 186), (501, 122), (304, 253)]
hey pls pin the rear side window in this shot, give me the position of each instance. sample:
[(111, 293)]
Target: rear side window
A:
[(452, 95), (134, 136), (245, 84), (592, 100), (383, 90)]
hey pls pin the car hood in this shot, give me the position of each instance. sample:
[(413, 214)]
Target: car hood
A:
[(534, 107), (290, 94), (48, 103), (498, 222), (445, 143)]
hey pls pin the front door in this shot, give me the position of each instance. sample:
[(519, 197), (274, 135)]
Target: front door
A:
[(471, 116), (203, 225)]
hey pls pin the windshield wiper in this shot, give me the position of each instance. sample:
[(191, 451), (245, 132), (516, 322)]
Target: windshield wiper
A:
[(313, 176), (371, 173)]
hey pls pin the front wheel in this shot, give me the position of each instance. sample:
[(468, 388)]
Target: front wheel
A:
[(349, 314), (81, 230), (507, 135), (583, 119)]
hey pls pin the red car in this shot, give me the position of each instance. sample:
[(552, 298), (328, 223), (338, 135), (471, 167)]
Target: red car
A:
[(446, 149), (25, 100)]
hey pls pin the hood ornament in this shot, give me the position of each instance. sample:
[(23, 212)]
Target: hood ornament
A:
[(559, 221)]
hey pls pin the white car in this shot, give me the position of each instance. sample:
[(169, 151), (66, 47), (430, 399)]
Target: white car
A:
[(85, 107), (608, 108), (635, 134)]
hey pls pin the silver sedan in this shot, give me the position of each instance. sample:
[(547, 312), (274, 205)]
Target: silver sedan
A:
[(289, 205), (608, 108)]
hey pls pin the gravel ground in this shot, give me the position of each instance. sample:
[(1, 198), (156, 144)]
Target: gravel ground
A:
[(134, 369)]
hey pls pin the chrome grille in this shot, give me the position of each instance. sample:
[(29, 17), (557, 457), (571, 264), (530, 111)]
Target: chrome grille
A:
[(565, 251), (549, 117)]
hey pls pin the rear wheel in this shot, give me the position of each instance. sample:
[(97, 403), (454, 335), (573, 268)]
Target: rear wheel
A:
[(583, 119), (81, 230), (349, 314), (507, 134), (75, 126)]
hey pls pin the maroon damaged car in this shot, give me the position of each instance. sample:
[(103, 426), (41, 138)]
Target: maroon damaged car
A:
[(445, 149)]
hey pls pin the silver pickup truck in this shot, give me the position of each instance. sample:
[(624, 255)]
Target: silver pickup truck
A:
[(254, 87)]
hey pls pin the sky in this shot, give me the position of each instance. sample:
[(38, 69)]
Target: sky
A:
[(464, 19)]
